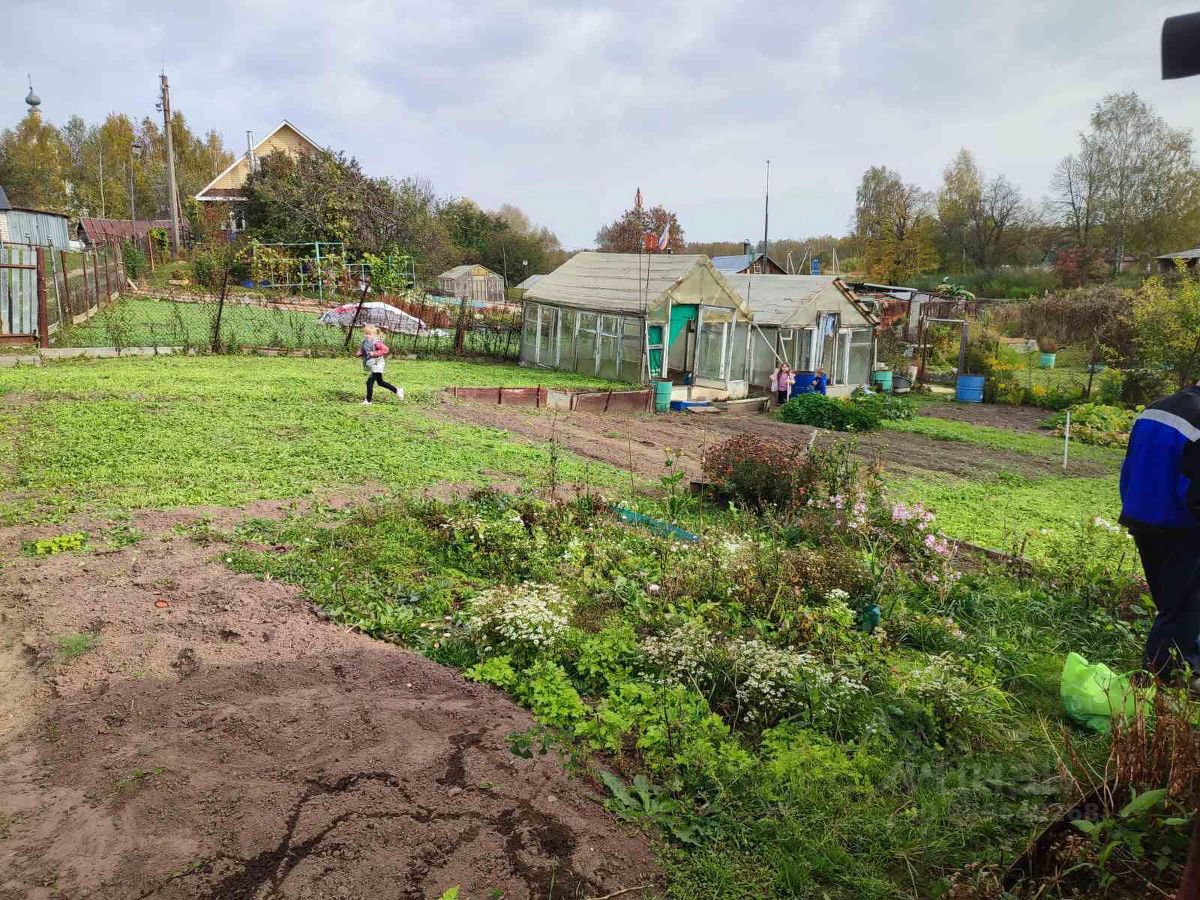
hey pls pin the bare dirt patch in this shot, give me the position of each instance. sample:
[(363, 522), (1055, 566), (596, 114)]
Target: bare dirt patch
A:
[(211, 736), (1017, 418), (638, 441)]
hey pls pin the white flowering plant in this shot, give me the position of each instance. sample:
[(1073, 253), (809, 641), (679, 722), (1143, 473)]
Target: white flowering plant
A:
[(522, 619)]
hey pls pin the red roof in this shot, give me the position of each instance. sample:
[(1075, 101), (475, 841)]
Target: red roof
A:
[(100, 231)]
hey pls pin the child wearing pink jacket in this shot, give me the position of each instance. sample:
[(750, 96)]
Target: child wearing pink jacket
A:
[(373, 352)]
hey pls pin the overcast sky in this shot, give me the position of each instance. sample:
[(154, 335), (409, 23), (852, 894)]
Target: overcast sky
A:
[(565, 109)]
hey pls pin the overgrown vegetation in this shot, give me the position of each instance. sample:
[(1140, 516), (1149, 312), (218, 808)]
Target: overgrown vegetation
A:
[(767, 699), (859, 412)]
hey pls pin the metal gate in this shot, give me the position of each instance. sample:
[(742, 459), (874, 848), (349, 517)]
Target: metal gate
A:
[(18, 290)]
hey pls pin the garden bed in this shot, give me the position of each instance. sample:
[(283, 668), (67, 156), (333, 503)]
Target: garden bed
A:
[(612, 401)]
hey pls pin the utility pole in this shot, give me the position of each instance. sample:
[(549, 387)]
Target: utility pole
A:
[(766, 216), (100, 151), (166, 111)]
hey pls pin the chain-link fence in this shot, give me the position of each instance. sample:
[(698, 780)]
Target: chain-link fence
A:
[(182, 317)]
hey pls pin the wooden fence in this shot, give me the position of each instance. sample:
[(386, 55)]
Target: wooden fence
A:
[(44, 290)]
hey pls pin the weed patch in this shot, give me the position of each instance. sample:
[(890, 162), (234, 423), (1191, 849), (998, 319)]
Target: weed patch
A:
[(73, 646)]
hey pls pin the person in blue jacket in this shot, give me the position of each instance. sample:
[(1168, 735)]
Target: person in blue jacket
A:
[(820, 381), (1160, 505)]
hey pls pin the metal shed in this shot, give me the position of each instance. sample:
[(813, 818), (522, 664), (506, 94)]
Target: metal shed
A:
[(33, 226), (635, 317), (808, 321)]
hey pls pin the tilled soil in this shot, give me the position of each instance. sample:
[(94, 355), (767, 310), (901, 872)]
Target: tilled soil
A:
[(638, 441), (221, 740)]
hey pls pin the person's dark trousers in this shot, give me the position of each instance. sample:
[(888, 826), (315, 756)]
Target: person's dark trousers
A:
[(1171, 560), (781, 397), (376, 378)]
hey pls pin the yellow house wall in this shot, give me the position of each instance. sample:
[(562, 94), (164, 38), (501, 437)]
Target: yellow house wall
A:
[(285, 140)]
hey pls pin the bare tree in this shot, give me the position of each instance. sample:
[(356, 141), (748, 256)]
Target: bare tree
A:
[(1076, 187), (999, 209), (1138, 156)]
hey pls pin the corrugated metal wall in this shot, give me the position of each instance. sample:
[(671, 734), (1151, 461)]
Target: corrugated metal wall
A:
[(45, 229)]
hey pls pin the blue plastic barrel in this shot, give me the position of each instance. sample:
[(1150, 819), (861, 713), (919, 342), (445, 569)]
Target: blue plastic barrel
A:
[(969, 389), (803, 383)]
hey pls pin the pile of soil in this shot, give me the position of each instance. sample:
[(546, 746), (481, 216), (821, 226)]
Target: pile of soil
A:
[(220, 739)]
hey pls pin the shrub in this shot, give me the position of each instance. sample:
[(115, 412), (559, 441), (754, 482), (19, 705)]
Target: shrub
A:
[(135, 260), (1141, 387), (207, 270), (1107, 387), (1082, 315), (762, 473), (833, 414), (890, 407), (527, 617), (1095, 423)]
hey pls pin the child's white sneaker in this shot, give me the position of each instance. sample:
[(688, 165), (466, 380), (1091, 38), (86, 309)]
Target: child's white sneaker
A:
[(366, 403), (399, 393)]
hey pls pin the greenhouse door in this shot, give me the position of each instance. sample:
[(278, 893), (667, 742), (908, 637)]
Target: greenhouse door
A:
[(681, 341)]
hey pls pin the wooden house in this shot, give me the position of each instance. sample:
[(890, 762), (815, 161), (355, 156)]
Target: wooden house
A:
[(226, 188)]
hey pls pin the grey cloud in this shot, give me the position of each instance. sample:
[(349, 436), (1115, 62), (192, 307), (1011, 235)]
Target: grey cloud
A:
[(566, 108)]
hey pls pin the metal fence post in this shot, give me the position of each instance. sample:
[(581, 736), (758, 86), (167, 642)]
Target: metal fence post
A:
[(107, 280), (62, 258), (96, 275), (43, 323)]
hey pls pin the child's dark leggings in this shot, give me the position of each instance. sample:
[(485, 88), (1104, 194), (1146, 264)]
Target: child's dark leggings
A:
[(376, 378)]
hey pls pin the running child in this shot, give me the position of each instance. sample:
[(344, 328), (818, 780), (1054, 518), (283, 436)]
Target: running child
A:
[(373, 352)]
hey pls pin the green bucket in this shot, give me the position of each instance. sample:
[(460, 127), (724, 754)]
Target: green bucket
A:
[(662, 394), (1047, 360), (883, 378)]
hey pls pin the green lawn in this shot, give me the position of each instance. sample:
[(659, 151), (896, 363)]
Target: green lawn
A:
[(1044, 445), (1012, 510), (1005, 512), (170, 431)]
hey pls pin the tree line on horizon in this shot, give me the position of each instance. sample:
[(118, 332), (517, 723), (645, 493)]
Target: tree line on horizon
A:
[(84, 170), (1130, 192)]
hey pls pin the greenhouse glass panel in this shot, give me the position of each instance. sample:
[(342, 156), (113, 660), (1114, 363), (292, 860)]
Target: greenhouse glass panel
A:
[(547, 336), (859, 369), (566, 339), (804, 350), (737, 355), (529, 334), (585, 360), (710, 350), (631, 350), (610, 356)]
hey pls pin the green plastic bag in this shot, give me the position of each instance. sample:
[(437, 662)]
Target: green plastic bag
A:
[(1092, 693)]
